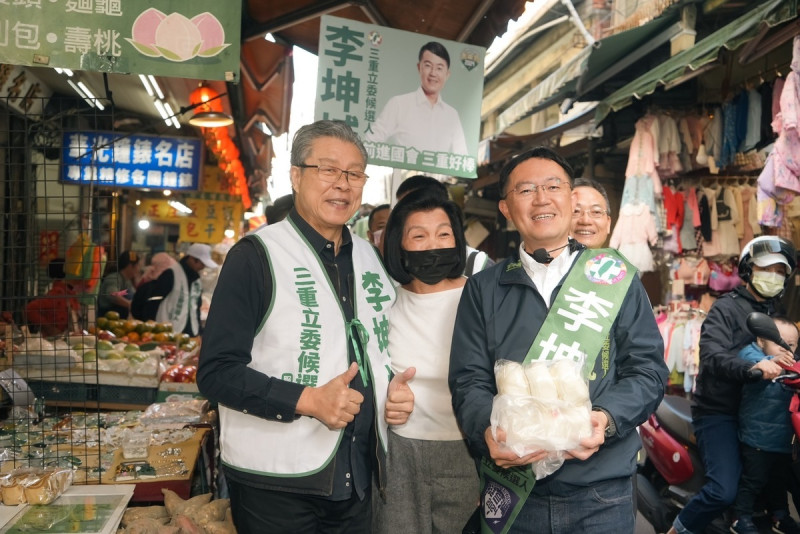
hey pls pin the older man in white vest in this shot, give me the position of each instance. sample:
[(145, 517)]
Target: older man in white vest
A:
[(295, 352)]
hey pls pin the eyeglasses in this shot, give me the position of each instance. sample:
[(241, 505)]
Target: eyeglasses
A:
[(595, 212), (526, 189), (331, 174)]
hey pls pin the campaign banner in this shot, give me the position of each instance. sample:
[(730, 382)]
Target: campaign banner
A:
[(207, 222), (198, 39), (134, 161), (414, 99)]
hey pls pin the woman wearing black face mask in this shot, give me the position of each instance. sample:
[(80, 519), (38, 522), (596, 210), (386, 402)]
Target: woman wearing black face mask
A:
[(432, 482)]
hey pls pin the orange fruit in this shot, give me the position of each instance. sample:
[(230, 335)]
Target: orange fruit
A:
[(133, 337)]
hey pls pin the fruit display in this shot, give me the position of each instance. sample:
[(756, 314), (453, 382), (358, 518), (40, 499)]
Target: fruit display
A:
[(111, 327)]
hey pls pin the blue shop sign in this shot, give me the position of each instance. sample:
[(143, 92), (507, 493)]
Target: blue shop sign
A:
[(133, 161)]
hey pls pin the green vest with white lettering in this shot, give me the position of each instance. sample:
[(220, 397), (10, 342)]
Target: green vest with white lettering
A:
[(304, 340)]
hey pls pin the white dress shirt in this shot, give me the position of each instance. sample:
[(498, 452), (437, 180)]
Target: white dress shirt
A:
[(547, 276), (410, 120)]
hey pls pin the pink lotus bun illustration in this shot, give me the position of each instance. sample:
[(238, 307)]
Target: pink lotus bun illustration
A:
[(176, 37)]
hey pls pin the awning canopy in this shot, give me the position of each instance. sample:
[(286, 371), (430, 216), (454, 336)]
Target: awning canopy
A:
[(504, 145), (592, 66), (702, 54)]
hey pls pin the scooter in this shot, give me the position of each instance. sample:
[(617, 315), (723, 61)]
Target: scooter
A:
[(670, 471)]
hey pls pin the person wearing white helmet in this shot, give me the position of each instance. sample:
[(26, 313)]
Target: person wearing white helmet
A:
[(764, 264)]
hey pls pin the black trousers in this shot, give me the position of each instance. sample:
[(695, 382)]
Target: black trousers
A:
[(764, 473), (260, 511)]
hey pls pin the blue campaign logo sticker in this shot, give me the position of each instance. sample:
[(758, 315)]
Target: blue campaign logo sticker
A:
[(498, 503), (605, 269)]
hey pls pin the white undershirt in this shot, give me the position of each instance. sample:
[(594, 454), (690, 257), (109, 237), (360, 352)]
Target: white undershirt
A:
[(420, 334), (546, 277)]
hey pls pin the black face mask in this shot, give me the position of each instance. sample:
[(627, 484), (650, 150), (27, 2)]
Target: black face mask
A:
[(430, 266)]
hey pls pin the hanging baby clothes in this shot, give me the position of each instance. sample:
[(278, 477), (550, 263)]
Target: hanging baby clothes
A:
[(739, 224), (750, 226), (688, 241), (724, 241), (779, 181), (673, 205), (633, 235), (753, 135), (687, 145), (691, 351), (712, 137), (669, 146), (767, 135), (787, 167), (643, 155), (730, 142)]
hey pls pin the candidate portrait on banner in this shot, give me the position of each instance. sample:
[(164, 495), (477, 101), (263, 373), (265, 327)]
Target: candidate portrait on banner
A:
[(414, 99), (421, 118)]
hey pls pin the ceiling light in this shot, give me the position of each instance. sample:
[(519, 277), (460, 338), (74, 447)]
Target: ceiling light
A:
[(171, 115), (208, 108), (146, 85), (211, 119), (90, 96), (138, 202), (269, 37), (167, 192), (229, 233), (143, 224), (59, 71), (161, 110), (180, 206), (156, 88), (80, 93), (68, 72)]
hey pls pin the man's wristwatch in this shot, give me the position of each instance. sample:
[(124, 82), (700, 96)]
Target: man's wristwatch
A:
[(611, 427)]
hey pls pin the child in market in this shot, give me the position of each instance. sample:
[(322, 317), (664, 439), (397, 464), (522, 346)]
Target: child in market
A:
[(765, 432)]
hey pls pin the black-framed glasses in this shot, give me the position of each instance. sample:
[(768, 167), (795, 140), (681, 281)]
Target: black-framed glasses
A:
[(551, 187), (331, 174), (594, 212)]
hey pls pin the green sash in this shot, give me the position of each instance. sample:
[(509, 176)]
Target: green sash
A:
[(578, 323)]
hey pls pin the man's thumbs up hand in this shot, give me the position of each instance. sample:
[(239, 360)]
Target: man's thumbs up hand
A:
[(400, 398), (334, 403)]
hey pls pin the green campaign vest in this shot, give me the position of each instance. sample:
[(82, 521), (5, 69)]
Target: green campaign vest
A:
[(578, 323)]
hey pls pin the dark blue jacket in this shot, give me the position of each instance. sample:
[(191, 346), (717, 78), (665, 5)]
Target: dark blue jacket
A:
[(724, 333), (764, 419), (498, 317)]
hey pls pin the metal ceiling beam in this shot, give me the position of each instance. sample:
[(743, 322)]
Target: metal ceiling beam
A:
[(474, 20), (369, 8), (312, 11)]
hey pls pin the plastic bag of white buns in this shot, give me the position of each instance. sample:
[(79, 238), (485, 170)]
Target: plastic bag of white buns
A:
[(34, 486), (542, 405)]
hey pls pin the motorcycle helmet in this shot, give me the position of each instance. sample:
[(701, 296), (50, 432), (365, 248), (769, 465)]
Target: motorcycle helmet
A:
[(764, 251)]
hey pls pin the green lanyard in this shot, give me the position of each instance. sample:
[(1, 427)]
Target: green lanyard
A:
[(363, 337)]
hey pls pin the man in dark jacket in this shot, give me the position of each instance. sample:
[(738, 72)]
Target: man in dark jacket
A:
[(764, 264), (500, 314)]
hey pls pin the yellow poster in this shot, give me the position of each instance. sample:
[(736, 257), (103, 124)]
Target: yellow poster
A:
[(207, 222)]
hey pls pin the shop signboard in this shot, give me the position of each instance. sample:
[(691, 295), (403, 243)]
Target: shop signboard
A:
[(207, 222), (131, 161), (198, 39), (414, 99), (22, 91)]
